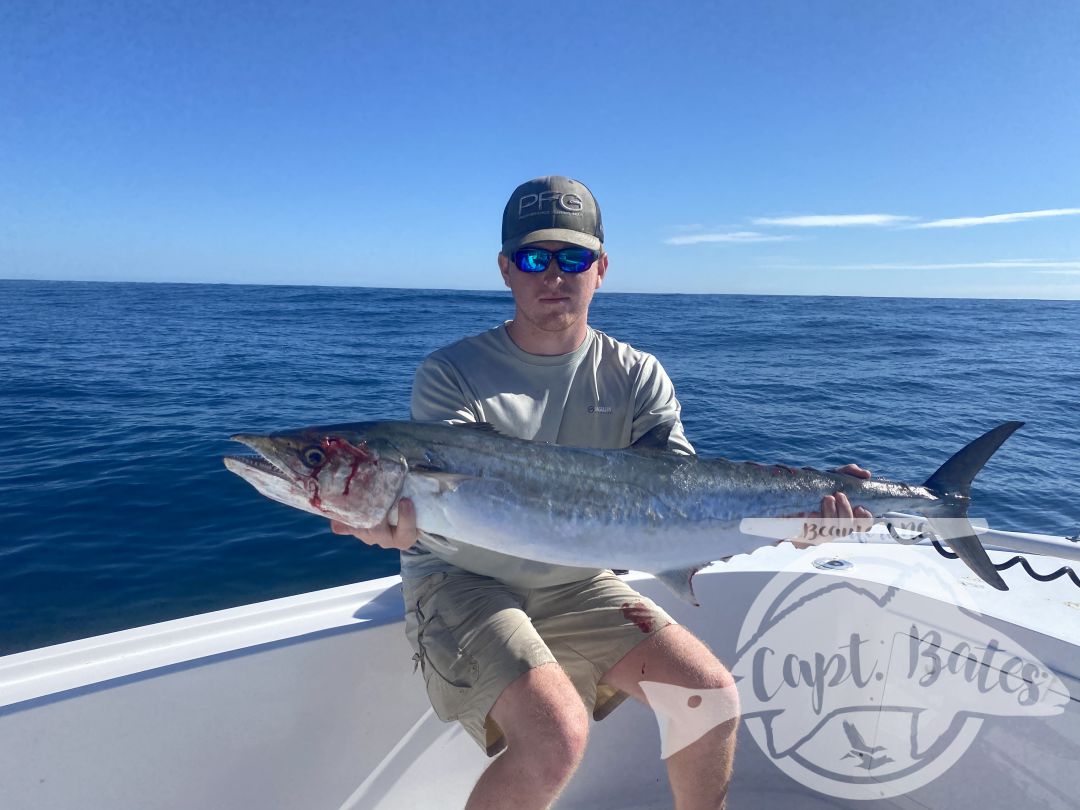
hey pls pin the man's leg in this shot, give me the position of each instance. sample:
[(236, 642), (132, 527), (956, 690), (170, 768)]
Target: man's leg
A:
[(546, 728), (701, 771), (486, 667)]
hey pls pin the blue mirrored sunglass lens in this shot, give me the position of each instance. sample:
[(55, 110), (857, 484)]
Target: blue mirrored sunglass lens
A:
[(532, 260), (575, 260), (570, 260)]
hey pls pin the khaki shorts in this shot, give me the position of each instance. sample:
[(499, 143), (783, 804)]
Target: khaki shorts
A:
[(473, 636)]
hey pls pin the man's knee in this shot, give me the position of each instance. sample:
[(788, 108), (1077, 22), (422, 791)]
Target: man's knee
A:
[(692, 658), (542, 713), (710, 671), (675, 656)]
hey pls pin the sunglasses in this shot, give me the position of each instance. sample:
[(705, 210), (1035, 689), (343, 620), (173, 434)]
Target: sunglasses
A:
[(571, 259)]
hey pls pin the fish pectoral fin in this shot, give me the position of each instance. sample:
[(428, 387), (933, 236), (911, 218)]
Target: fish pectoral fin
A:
[(681, 581), (444, 481)]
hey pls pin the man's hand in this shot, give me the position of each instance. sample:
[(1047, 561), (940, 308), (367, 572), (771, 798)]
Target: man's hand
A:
[(853, 469), (401, 537), (837, 507)]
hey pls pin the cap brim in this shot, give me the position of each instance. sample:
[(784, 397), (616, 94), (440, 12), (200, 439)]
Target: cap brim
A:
[(553, 235)]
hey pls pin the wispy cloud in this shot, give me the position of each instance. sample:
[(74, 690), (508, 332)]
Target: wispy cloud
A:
[(997, 219), (734, 236), (695, 234), (1075, 272), (833, 220), (1037, 265)]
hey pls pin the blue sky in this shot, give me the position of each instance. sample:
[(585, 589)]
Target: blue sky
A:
[(867, 148)]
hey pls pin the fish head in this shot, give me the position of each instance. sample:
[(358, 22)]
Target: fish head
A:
[(351, 478)]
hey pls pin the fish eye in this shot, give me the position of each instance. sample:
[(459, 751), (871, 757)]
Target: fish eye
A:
[(313, 456)]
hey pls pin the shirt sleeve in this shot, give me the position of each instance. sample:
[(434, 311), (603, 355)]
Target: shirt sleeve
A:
[(438, 394), (655, 404)]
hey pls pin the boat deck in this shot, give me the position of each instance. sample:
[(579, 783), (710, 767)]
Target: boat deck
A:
[(311, 702)]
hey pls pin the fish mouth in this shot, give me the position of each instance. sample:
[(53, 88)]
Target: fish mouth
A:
[(276, 483), (261, 463), (258, 463)]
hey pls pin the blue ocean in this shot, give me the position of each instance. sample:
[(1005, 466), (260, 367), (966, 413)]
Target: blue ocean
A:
[(117, 401)]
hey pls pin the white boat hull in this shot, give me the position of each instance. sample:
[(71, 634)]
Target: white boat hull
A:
[(311, 702)]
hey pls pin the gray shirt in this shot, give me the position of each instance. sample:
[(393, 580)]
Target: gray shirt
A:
[(605, 394)]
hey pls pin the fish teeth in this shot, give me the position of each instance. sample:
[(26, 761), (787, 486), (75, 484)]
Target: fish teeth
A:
[(259, 463)]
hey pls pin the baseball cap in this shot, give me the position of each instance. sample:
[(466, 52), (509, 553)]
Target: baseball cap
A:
[(552, 209)]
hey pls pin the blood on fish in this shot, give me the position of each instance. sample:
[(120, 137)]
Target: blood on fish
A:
[(332, 444), (639, 615), (360, 452), (352, 475), (312, 486), (360, 455)]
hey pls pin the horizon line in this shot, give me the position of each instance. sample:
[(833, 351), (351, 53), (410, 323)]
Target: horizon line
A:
[(508, 294)]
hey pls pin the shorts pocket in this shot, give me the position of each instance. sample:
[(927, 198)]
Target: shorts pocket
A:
[(440, 655), (449, 672)]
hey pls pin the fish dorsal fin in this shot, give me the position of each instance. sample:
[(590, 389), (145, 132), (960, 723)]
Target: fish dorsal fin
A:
[(656, 438)]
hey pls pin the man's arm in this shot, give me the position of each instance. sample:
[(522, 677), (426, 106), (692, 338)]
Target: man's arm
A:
[(655, 404), (438, 395)]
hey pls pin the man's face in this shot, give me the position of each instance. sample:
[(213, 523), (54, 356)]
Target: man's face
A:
[(552, 301)]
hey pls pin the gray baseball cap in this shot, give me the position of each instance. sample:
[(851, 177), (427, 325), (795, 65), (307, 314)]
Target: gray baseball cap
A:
[(552, 209)]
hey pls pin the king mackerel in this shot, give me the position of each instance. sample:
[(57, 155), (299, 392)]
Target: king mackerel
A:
[(643, 508)]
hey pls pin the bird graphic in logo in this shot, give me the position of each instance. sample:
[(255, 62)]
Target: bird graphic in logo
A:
[(860, 750)]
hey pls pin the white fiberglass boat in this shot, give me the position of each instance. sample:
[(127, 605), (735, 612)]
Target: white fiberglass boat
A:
[(871, 674)]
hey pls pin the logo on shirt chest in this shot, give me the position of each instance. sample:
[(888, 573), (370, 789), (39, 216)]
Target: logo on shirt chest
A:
[(600, 409)]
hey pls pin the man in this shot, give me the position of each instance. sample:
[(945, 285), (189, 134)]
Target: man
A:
[(517, 652)]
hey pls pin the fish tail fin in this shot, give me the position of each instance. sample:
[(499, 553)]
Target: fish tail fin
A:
[(952, 481), (969, 548), (954, 477)]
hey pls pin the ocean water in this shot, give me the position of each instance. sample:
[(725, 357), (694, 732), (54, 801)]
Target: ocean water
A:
[(117, 401)]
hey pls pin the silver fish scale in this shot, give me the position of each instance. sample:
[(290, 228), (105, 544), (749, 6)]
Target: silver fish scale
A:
[(580, 487)]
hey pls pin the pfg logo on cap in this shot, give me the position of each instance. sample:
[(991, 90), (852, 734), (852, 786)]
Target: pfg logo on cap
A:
[(547, 202), (555, 209)]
